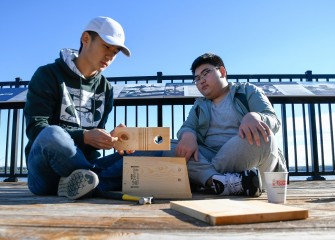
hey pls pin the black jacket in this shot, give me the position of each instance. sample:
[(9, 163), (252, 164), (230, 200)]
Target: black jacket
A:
[(58, 96)]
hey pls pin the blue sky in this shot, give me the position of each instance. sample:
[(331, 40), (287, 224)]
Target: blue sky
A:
[(258, 36)]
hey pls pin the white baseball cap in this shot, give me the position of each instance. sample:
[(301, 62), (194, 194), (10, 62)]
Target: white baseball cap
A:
[(110, 31)]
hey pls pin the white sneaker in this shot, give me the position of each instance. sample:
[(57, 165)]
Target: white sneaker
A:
[(77, 184), (248, 183), (228, 184)]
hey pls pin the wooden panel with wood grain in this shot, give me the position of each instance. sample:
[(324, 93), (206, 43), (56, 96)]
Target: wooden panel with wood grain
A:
[(142, 138), (226, 211), (160, 177)]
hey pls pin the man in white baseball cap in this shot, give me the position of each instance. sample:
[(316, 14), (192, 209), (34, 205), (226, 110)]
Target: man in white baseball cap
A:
[(110, 31), (67, 107)]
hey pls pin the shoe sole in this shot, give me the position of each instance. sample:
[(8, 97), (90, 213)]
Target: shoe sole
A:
[(79, 183)]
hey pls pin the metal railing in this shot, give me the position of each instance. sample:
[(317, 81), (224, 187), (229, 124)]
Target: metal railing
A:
[(306, 138)]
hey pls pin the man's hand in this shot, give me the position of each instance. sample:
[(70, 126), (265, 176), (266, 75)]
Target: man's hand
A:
[(99, 138), (252, 127), (120, 151), (187, 147)]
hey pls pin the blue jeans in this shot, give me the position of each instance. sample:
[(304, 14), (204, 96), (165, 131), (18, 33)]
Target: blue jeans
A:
[(54, 155)]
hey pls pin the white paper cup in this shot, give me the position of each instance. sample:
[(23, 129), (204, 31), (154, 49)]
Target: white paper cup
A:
[(276, 186)]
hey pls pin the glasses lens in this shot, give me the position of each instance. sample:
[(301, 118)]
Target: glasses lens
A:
[(202, 75)]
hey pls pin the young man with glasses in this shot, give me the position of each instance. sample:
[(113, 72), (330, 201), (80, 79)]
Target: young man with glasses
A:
[(227, 143)]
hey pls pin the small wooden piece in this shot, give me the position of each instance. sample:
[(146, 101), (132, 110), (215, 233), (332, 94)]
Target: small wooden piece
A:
[(226, 211), (143, 138), (159, 177)]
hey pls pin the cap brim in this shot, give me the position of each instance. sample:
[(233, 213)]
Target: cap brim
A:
[(110, 40)]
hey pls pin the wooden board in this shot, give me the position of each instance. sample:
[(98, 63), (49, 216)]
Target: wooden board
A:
[(143, 138), (160, 177), (226, 211)]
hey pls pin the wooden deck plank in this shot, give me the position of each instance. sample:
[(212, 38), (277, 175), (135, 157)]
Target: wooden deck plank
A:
[(24, 215)]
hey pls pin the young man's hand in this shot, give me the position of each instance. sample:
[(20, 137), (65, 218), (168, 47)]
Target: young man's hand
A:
[(99, 138), (121, 151), (253, 128), (187, 147)]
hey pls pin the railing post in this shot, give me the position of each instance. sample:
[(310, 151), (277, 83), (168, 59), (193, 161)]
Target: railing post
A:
[(15, 137), (313, 136), (159, 106), (284, 132)]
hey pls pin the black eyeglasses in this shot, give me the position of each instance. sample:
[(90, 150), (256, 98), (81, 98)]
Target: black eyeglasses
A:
[(203, 74)]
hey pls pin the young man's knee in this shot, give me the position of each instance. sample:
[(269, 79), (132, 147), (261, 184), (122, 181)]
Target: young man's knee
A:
[(55, 138)]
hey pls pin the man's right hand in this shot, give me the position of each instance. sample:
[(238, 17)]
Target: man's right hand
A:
[(99, 138), (121, 151), (187, 147)]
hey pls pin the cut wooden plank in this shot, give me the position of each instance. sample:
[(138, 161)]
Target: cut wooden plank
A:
[(226, 211), (143, 138), (160, 177)]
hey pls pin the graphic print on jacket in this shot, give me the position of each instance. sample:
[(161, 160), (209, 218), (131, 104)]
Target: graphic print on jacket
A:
[(82, 107)]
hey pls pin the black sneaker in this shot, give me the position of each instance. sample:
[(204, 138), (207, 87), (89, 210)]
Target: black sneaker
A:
[(248, 183), (77, 184)]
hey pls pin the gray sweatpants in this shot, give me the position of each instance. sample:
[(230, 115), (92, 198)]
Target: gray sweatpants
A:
[(235, 156)]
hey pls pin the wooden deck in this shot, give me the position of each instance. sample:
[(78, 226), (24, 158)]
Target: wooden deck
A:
[(26, 216)]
